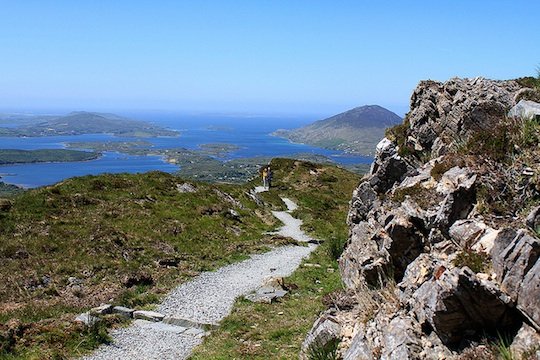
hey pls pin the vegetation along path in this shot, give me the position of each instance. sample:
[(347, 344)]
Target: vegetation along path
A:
[(199, 304)]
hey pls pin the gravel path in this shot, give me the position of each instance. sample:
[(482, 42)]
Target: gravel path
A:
[(206, 299)]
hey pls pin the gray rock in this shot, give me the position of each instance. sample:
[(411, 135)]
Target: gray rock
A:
[(455, 178), (401, 339), (418, 272), (266, 295), (533, 219), (325, 330), (253, 195), (405, 227), (501, 242), (359, 349), (159, 326), (101, 310), (514, 262), (187, 323), (525, 109), (186, 188), (529, 295), (87, 319), (124, 311), (466, 232), (526, 341), (458, 305), (364, 259), (453, 110), (390, 171), (148, 315), (457, 205), (362, 202)]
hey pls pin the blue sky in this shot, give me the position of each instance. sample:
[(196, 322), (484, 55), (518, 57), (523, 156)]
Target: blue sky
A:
[(312, 57)]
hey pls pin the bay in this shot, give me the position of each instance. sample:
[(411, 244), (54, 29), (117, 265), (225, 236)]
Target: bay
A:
[(250, 134)]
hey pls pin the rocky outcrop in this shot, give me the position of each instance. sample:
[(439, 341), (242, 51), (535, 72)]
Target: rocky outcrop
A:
[(442, 113), (436, 274)]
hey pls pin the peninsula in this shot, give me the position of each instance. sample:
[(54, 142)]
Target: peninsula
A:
[(83, 122)]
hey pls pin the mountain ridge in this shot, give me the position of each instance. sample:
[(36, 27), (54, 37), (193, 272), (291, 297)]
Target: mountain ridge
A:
[(355, 131)]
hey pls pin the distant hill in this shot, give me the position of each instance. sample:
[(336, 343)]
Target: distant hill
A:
[(15, 156), (355, 131), (82, 122)]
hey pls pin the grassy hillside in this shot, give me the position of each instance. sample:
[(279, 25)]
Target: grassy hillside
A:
[(8, 190), (125, 239)]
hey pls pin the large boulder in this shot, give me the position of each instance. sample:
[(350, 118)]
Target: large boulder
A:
[(363, 200), (514, 261), (364, 259), (458, 185), (407, 236), (457, 305), (525, 109), (389, 172), (529, 295)]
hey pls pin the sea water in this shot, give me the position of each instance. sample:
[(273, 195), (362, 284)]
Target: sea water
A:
[(250, 134)]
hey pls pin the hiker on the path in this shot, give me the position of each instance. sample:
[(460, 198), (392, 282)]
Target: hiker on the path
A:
[(265, 177), (269, 175)]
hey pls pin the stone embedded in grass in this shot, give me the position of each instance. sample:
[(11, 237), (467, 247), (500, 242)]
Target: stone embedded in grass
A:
[(101, 310), (124, 311), (271, 290), (87, 318), (185, 188), (148, 315)]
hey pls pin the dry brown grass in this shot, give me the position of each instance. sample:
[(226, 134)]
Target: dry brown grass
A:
[(372, 300)]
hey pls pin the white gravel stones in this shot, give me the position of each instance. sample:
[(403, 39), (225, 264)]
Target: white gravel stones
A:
[(142, 341), (206, 299), (291, 205)]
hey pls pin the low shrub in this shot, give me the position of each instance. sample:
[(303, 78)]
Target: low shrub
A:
[(326, 351), (476, 261), (336, 245)]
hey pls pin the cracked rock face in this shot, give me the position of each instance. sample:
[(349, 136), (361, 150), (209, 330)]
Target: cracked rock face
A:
[(415, 222), (452, 110)]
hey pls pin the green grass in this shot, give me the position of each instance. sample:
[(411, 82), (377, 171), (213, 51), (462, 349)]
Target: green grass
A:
[(476, 261), (110, 230), (8, 190), (106, 229)]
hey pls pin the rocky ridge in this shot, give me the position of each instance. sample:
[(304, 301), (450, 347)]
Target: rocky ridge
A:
[(442, 259)]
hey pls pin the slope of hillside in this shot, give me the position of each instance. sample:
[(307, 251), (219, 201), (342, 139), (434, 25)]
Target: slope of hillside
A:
[(355, 131), (126, 240)]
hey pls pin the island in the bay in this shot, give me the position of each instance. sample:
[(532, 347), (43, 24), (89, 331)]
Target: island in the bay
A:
[(82, 122), (16, 156), (356, 131)]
